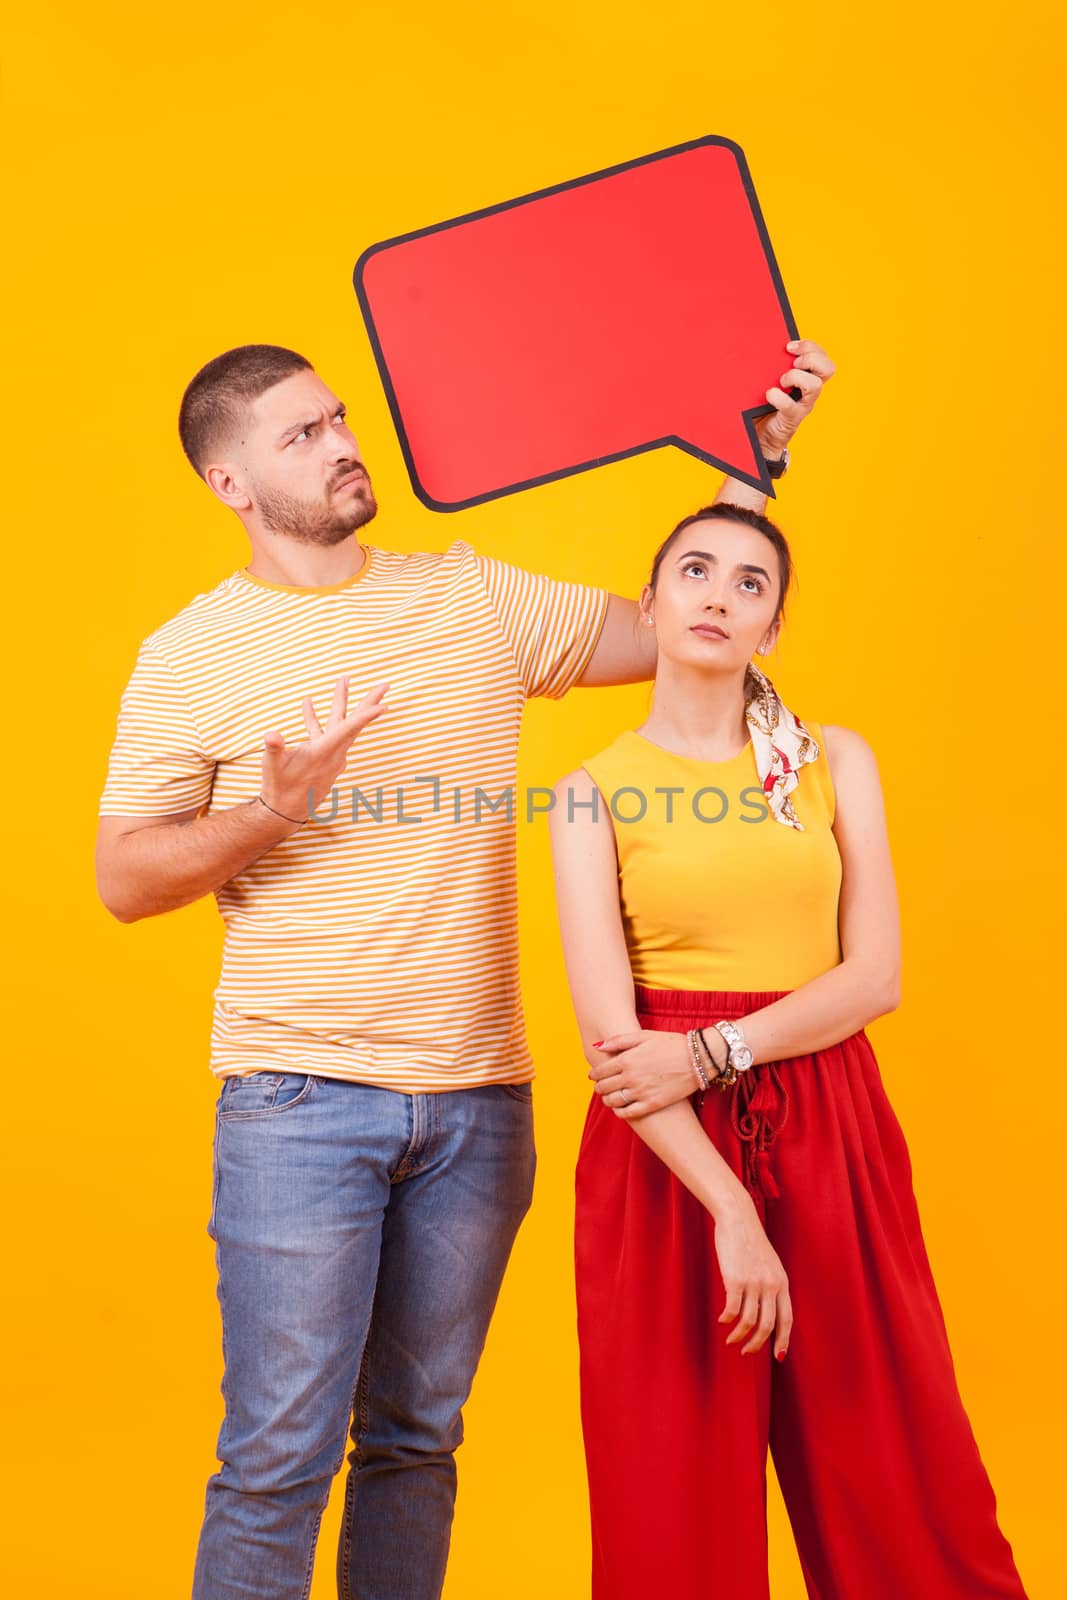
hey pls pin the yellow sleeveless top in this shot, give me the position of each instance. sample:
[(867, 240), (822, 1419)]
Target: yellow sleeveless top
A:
[(715, 893)]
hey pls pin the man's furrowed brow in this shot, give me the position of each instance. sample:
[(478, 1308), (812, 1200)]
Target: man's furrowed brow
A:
[(298, 427)]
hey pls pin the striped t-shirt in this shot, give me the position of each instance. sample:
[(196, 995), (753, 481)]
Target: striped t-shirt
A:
[(381, 945)]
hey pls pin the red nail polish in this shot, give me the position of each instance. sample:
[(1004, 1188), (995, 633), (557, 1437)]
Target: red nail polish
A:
[(779, 1355), (597, 1043)]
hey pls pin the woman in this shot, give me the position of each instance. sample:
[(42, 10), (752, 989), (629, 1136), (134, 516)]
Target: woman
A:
[(729, 919)]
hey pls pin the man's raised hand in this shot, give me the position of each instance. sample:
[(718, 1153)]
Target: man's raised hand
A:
[(295, 777)]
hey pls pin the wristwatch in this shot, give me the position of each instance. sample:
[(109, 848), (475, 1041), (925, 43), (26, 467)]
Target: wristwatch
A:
[(740, 1057), (776, 469)]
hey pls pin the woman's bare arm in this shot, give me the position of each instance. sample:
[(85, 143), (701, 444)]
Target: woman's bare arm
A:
[(601, 985), (653, 1070), (756, 1288), (866, 983)]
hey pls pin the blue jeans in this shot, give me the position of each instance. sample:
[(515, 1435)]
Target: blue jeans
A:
[(361, 1236)]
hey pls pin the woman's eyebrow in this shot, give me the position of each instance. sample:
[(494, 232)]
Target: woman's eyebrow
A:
[(742, 566)]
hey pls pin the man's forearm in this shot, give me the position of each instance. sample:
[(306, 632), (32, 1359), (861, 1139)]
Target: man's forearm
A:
[(154, 869)]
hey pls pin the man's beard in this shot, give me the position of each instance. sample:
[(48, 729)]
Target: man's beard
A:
[(323, 522)]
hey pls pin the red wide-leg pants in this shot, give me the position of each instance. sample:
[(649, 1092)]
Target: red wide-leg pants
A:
[(886, 1492)]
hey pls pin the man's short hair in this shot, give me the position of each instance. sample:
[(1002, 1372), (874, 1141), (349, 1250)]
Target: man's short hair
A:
[(214, 405)]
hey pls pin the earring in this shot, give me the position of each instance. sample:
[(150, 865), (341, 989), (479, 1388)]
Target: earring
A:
[(648, 619)]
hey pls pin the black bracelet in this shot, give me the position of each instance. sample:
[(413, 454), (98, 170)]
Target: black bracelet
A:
[(298, 820), (709, 1053), (726, 1074)]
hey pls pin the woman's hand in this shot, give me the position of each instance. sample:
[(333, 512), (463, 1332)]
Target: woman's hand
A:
[(645, 1071), (757, 1289)]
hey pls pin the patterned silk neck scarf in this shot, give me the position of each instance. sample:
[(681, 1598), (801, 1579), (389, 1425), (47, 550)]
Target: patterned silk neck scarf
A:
[(781, 743)]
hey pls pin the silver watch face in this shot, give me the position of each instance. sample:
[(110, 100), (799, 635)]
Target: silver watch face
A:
[(741, 1057)]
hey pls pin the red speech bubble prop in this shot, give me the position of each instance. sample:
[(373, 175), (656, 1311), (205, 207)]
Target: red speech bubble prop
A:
[(636, 307)]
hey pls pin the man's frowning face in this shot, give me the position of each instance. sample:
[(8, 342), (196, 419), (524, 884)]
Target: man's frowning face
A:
[(299, 463)]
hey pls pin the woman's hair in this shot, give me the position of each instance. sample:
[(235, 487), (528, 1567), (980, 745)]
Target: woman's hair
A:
[(751, 519)]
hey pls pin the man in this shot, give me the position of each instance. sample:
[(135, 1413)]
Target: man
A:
[(374, 1147)]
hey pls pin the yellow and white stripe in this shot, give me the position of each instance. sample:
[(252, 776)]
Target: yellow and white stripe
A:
[(385, 951)]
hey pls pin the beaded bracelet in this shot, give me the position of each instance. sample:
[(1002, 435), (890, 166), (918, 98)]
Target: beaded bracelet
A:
[(694, 1056)]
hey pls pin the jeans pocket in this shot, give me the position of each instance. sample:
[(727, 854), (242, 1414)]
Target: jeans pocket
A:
[(263, 1094), (519, 1091)]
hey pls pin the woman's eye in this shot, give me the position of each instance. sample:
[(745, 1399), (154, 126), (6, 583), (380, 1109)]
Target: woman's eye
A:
[(694, 566), (758, 584)]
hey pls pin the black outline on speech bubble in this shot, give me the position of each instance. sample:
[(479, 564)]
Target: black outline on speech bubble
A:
[(763, 483)]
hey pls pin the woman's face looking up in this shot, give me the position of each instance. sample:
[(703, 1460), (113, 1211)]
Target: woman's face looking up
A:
[(716, 595)]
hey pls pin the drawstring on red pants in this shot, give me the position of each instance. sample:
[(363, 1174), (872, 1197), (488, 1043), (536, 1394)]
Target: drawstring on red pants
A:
[(757, 1095)]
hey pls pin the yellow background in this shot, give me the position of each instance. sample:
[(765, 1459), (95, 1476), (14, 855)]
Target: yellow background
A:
[(188, 179)]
